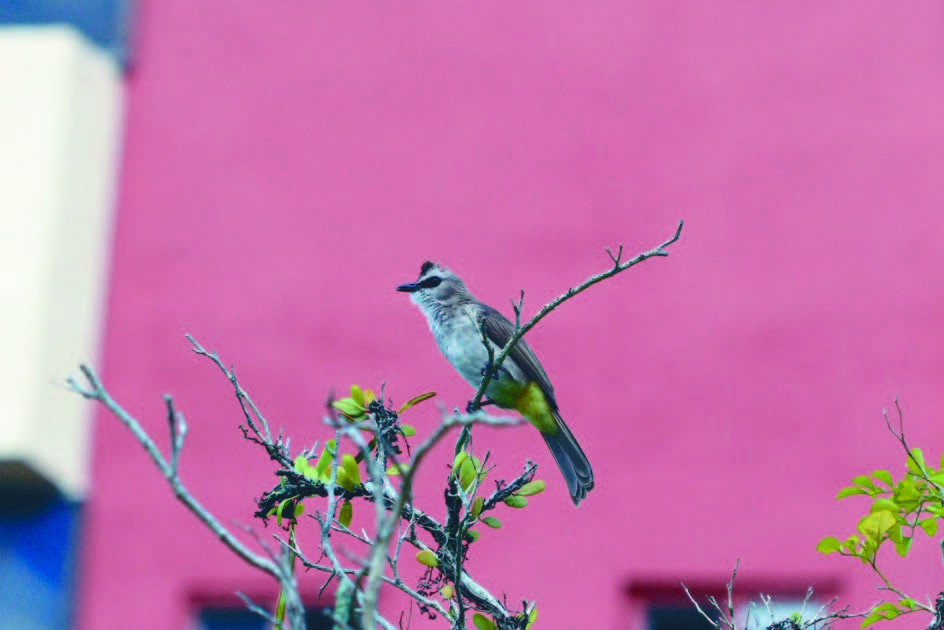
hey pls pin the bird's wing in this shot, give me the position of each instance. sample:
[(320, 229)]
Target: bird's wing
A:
[(499, 330)]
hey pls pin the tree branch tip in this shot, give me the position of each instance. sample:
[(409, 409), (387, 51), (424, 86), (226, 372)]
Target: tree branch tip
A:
[(676, 236), (195, 345)]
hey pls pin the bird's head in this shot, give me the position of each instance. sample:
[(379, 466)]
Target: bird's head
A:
[(436, 288)]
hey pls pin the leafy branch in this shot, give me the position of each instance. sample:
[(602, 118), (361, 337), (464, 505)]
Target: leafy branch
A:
[(369, 437), (897, 511)]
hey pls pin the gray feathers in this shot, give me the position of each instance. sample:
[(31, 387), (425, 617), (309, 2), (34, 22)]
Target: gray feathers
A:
[(457, 321)]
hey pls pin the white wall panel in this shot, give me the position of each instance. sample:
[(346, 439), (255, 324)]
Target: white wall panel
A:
[(60, 128)]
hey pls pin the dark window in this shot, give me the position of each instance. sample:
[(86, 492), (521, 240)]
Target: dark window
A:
[(677, 617), (244, 619)]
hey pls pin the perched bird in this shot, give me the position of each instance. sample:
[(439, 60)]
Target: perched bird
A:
[(456, 318)]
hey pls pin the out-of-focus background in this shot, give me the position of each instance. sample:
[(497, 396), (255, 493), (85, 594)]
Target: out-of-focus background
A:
[(262, 175)]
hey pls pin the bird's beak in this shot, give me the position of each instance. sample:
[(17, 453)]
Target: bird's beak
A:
[(412, 287)]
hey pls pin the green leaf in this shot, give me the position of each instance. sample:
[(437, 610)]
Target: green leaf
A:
[(299, 509), (916, 456), (829, 544), (532, 488), (516, 502), (415, 401), (884, 476), (884, 504), (427, 558), (929, 525), (407, 430), (491, 521), (864, 481), (447, 592), (903, 546), (349, 407), (532, 616), (351, 469), (907, 494), (278, 512), (460, 458), (895, 533), (481, 622), (324, 461), (880, 612), (344, 480), (849, 491), (357, 395), (851, 545), (473, 535), (301, 464), (468, 470), (874, 526), (477, 507), (908, 603), (888, 609), (346, 513)]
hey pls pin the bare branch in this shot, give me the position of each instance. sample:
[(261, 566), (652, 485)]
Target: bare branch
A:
[(262, 429), (178, 431), (96, 391), (699, 609), (394, 507), (251, 605), (520, 331)]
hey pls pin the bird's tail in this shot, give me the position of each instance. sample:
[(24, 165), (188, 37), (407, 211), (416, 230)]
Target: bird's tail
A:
[(571, 460)]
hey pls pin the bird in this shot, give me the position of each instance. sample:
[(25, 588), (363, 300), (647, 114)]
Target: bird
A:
[(458, 321)]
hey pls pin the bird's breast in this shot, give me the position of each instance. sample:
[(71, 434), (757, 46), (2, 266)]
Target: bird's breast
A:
[(462, 346), (461, 343)]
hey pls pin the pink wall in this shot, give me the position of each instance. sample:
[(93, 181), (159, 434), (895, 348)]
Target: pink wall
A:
[(287, 166)]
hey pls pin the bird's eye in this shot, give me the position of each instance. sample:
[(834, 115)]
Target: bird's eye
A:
[(432, 281)]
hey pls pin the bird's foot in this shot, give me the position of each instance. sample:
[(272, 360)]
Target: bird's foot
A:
[(471, 408), (493, 373)]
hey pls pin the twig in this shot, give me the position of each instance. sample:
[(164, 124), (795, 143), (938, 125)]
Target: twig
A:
[(394, 507), (699, 608), (520, 331), (385, 531), (96, 391), (241, 395), (178, 431), (251, 605)]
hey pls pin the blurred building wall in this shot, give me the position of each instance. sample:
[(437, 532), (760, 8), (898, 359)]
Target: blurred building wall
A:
[(61, 120), (285, 167)]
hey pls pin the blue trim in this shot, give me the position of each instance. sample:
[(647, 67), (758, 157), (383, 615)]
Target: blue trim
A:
[(105, 22), (38, 553)]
